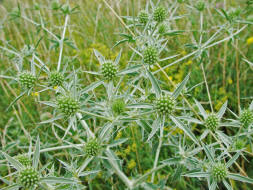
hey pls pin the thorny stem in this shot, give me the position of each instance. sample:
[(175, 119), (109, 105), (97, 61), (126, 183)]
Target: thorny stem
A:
[(158, 148), (207, 88), (61, 42)]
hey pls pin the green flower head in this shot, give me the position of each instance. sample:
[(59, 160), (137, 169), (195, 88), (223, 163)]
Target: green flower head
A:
[(219, 171), (56, 79), (150, 55), (165, 105), (24, 159), (160, 14), (29, 177), (92, 147), (143, 17), (68, 105), (118, 106), (212, 122), (27, 80), (109, 70), (246, 117)]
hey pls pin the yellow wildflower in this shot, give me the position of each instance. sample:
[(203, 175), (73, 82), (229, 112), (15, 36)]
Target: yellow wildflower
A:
[(55, 87), (134, 146), (131, 164), (119, 134), (230, 81), (35, 94), (250, 40), (128, 150)]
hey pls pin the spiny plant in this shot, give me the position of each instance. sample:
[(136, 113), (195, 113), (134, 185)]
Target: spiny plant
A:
[(178, 135)]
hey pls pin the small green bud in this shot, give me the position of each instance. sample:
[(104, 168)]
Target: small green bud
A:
[(109, 70), (162, 29), (246, 117), (92, 147), (66, 9), (68, 105), (219, 171), (118, 106), (165, 105), (56, 79), (29, 177), (150, 55), (55, 5), (143, 17), (239, 144), (200, 6), (24, 159), (27, 79), (212, 122), (159, 14)]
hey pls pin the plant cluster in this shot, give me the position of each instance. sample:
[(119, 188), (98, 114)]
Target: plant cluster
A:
[(185, 139)]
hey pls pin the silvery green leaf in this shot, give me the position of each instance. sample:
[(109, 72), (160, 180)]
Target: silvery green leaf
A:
[(85, 164), (12, 187), (99, 56), (201, 109), (251, 105), (222, 110), (224, 138), (92, 72), (154, 83), (241, 178), (92, 86), (155, 127), (16, 164), (190, 119), (16, 99), (61, 116), (227, 185), (129, 70), (204, 134), (172, 161), (233, 159), (188, 131), (52, 104), (197, 174), (118, 58), (36, 155), (208, 153), (213, 186), (140, 105), (117, 142), (88, 173), (180, 87), (54, 180)]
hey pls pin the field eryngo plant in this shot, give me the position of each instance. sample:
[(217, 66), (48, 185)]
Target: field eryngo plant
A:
[(126, 124)]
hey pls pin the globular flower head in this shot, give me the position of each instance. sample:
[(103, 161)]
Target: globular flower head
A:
[(109, 70), (24, 159), (165, 105), (219, 171), (118, 106), (92, 147), (200, 6), (27, 79), (68, 105), (159, 14), (29, 177), (212, 122), (56, 79), (246, 117), (143, 17), (150, 55)]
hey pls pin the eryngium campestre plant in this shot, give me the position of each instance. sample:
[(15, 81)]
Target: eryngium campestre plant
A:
[(56, 79), (150, 55), (219, 171), (159, 14), (27, 79), (68, 105), (109, 70), (118, 106), (212, 122), (24, 159), (92, 147), (165, 105), (29, 177), (143, 17), (246, 117)]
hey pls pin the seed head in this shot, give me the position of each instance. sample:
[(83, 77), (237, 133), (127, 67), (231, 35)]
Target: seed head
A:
[(246, 117), (68, 105), (219, 171), (212, 122), (143, 17), (118, 106), (160, 14), (150, 55), (24, 159), (27, 80), (109, 70), (92, 147), (29, 177), (165, 105), (56, 79)]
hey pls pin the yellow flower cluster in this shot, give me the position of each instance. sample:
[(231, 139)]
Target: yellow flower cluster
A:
[(131, 164), (250, 40)]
